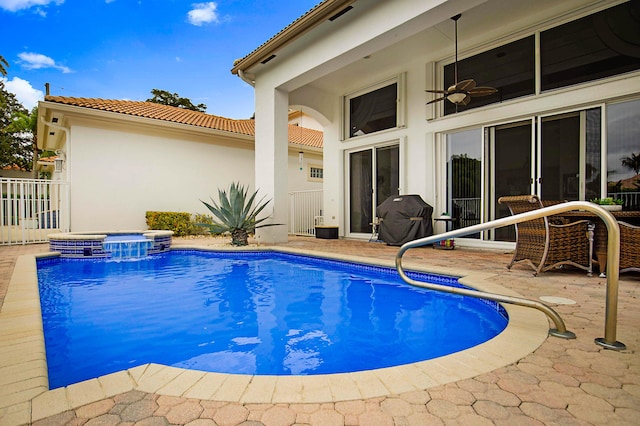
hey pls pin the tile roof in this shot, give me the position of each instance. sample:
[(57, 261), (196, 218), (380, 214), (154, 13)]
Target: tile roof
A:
[(297, 135), (14, 167), (304, 136)]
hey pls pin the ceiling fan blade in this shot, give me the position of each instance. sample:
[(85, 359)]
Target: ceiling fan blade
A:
[(435, 100), (483, 91), (465, 85), (436, 91)]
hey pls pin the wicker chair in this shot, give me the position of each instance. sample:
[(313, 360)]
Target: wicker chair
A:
[(543, 245), (629, 247)]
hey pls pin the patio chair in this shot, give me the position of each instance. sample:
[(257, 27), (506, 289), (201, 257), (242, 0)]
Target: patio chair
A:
[(629, 247), (544, 245)]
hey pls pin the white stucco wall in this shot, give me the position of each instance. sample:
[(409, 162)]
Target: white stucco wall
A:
[(382, 40), (116, 176), (298, 180)]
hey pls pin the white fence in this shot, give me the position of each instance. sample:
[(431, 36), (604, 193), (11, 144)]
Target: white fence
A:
[(305, 210), (31, 209), (631, 199)]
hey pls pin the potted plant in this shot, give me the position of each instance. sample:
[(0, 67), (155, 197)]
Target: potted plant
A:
[(609, 203)]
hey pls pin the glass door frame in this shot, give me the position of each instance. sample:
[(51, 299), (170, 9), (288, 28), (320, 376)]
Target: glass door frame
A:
[(488, 162), (488, 158), (582, 160), (347, 173)]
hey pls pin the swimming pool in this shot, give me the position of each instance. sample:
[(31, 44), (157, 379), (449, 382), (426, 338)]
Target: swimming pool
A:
[(275, 313)]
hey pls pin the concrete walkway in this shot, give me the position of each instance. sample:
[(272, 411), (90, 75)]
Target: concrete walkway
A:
[(564, 382)]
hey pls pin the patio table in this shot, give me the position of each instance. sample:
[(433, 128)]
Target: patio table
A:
[(600, 234)]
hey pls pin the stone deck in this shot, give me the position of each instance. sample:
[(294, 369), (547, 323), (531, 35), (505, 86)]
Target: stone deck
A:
[(530, 380)]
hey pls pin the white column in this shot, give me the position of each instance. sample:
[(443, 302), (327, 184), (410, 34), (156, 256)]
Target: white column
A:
[(272, 143)]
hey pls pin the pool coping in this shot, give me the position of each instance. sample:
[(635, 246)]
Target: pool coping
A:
[(25, 396)]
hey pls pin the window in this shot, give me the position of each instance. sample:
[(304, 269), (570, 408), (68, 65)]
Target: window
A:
[(604, 44), (601, 45), (623, 153), (464, 178), (315, 173), (509, 68), (374, 109)]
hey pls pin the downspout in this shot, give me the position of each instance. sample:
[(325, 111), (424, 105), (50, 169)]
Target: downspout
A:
[(66, 163), (66, 140), (246, 79)]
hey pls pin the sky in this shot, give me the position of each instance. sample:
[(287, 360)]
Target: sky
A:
[(122, 49)]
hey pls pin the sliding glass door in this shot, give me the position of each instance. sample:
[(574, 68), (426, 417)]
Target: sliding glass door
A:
[(464, 178), (570, 155), (556, 156), (510, 161), (373, 177)]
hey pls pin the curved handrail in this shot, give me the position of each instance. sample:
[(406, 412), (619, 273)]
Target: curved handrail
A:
[(613, 268)]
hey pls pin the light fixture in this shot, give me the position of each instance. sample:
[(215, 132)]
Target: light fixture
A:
[(460, 92), (300, 159), (57, 163), (456, 98)]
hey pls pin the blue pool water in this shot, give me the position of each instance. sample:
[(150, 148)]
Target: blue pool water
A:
[(247, 313)]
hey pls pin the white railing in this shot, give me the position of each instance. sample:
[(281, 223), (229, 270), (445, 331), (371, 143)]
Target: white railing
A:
[(31, 209), (631, 199), (304, 209), (613, 268), (465, 211)]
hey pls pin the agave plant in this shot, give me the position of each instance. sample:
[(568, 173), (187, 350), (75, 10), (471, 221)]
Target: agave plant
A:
[(236, 214)]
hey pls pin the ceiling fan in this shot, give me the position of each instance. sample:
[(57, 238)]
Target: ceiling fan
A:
[(460, 93)]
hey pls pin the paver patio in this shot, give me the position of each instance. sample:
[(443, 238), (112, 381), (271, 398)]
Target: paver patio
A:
[(565, 382)]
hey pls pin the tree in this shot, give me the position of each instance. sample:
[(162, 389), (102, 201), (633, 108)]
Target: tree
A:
[(632, 162), (15, 141), (3, 65), (173, 99), (24, 126)]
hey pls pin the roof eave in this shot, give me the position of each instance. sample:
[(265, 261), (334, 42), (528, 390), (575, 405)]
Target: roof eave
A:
[(302, 25), (81, 111), (306, 148)]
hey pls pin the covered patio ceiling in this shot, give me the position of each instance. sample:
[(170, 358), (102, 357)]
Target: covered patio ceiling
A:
[(480, 27)]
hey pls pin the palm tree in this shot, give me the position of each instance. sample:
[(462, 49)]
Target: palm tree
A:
[(236, 214), (3, 65), (632, 162)]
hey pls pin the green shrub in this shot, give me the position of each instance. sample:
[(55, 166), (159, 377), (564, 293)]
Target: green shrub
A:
[(179, 223)]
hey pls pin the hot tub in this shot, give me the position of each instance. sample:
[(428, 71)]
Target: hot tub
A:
[(110, 244)]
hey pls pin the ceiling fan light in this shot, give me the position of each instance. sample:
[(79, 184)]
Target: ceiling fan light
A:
[(456, 97)]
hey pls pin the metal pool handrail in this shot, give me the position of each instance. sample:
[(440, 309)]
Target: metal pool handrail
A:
[(613, 268)]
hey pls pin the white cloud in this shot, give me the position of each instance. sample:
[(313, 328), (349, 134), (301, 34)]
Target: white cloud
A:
[(15, 5), (35, 61), (203, 13), (25, 93)]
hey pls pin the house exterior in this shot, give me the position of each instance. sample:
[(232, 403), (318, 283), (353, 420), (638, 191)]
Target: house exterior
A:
[(563, 123), (123, 158)]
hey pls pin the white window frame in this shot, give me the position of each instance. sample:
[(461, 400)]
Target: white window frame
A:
[(400, 80), (310, 176)]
